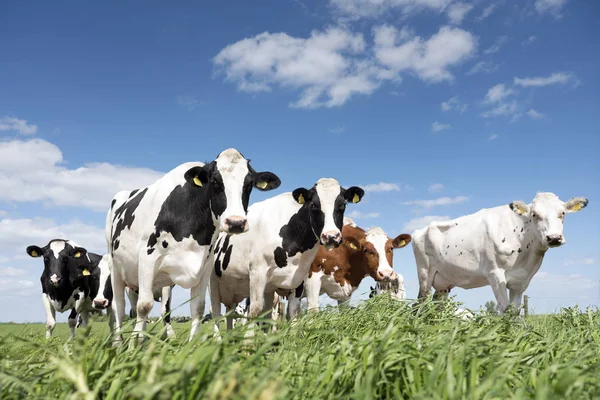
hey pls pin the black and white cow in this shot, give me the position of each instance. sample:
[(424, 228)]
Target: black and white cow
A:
[(286, 233), (160, 235), (70, 281)]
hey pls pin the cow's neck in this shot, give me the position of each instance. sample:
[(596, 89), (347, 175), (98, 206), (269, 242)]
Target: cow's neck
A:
[(299, 235), (529, 249)]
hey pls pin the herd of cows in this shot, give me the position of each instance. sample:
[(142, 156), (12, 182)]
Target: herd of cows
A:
[(194, 228)]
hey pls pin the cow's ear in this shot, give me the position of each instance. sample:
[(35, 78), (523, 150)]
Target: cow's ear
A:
[(519, 207), (34, 251), (352, 243), (197, 176), (401, 240), (301, 195), (576, 204), (79, 252), (354, 194), (266, 181)]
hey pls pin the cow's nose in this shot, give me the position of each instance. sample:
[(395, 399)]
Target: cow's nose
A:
[(386, 275), (554, 240), (55, 280), (331, 239), (100, 304), (235, 224)]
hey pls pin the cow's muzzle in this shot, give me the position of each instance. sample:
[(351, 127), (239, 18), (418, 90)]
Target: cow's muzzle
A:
[(331, 240), (555, 240), (101, 304), (236, 225)]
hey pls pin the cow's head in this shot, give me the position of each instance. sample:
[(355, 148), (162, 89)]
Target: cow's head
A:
[(104, 292), (546, 216), (376, 250), (228, 181), (61, 261), (325, 203)]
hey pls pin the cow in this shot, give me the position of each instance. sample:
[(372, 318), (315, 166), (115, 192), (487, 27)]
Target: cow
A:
[(287, 231), (394, 287), (339, 272), (502, 247), (164, 296), (160, 235), (69, 281)]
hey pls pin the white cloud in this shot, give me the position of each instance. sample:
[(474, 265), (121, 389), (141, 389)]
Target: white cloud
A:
[(338, 129), (437, 126), (497, 93), (505, 109), (497, 45), (436, 187), (429, 59), (359, 215), (557, 78), (18, 125), (34, 170), (422, 222), (16, 287), (534, 114), (441, 201), (190, 103), (529, 40), (17, 234), (458, 11), (454, 104), (381, 187), (487, 11), (493, 136), (356, 9), (583, 261), (483, 66), (553, 7), (10, 271), (561, 285)]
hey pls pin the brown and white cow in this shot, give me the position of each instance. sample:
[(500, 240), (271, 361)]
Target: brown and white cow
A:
[(339, 272)]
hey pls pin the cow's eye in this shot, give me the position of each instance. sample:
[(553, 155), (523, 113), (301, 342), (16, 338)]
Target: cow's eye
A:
[(534, 215)]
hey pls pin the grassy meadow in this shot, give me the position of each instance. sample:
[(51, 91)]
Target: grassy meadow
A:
[(381, 349)]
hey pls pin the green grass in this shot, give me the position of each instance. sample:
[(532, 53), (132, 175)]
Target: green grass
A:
[(381, 349)]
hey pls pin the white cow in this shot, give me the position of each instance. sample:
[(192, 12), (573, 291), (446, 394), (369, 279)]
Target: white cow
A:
[(286, 232), (502, 247), (160, 235)]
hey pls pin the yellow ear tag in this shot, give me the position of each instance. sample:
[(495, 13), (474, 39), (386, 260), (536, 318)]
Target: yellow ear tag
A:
[(576, 207), (197, 181), (401, 243), (353, 246), (301, 199), (261, 185), (86, 272), (34, 253), (356, 198), (77, 255)]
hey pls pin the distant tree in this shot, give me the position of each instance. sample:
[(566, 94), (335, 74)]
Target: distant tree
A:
[(491, 307)]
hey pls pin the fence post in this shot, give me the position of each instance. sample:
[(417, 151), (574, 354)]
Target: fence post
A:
[(526, 305)]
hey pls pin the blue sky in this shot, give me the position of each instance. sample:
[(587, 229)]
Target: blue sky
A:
[(438, 108)]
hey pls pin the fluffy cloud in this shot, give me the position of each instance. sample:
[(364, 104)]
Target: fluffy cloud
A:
[(557, 78), (505, 109), (561, 285), (17, 125), (34, 170), (10, 271), (437, 126), (12, 287), (534, 114), (441, 201), (487, 11), (454, 104), (422, 222), (553, 7), (583, 261), (356, 9), (497, 45), (497, 93), (429, 59), (458, 11), (359, 215), (483, 66), (381, 187), (436, 187)]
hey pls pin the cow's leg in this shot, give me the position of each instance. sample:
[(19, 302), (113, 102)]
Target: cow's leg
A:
[(515, 299), (423, 271), (198, 301), (497, 281), (269, 298), (118, 304), (110, 314), (215, 304), (72, 322), (50, 315), (258, 283), (133, 299), (312, 289), (228, 310), (165, 311), (85, 318), (293, 308)]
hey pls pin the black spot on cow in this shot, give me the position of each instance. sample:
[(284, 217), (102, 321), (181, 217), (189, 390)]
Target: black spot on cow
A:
[(456, 224), (522, 230), (455, 246), (218, 246), (512, 252), (116, 245), (503, 240), (227, 257), (280, 257), (123, 216), (108, 292), (218, 270), (76, 296), (299, 290), (300, 233), (165, 244), (448, 247), (460, 254), (133, 192), (520, 250), (224, 255), (150, 251), (112, 203), (73, 314), (527, 245)]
